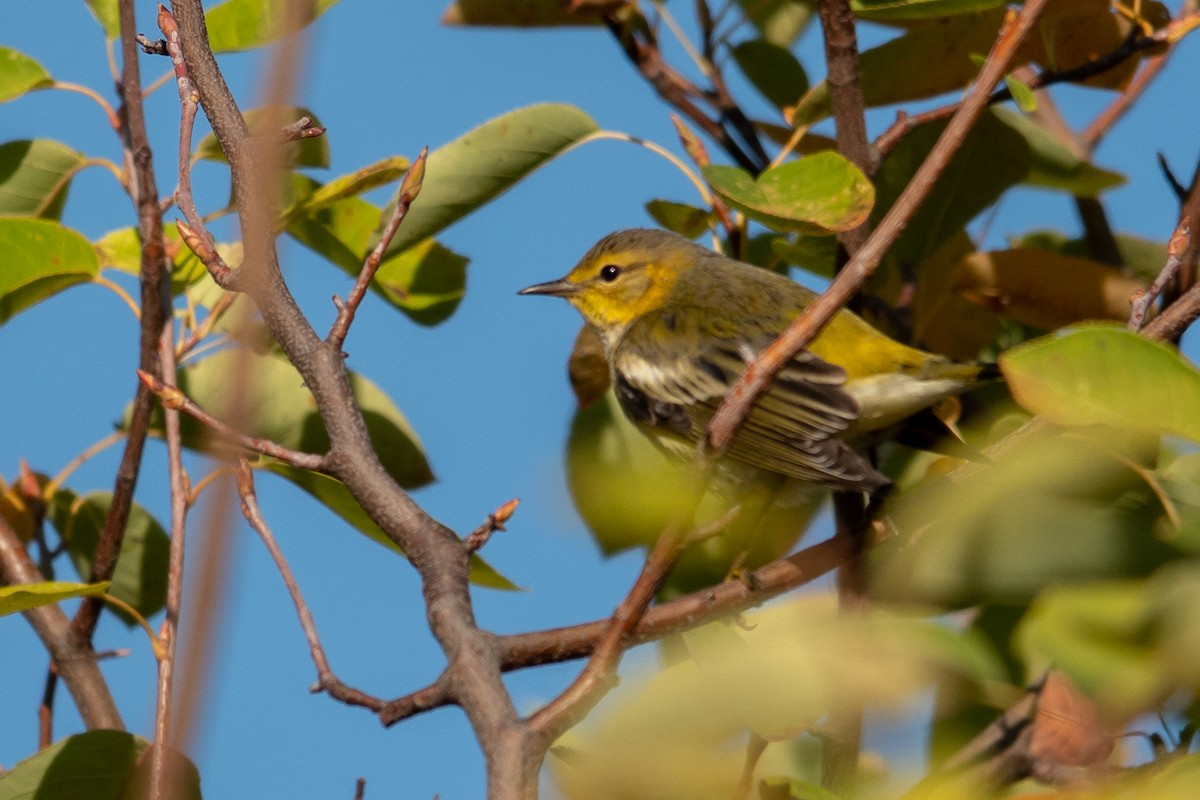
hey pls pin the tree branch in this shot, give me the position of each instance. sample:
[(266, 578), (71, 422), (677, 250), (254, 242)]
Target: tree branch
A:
[(441, 559), (154, 279), (73, 659)]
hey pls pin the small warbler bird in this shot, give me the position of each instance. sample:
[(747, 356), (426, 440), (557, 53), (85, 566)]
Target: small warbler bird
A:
[(679, 323)]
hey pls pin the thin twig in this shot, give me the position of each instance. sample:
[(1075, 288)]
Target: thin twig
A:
[(554, 646), (173, 399), (1176, 247), (410, 187), (755, 747), (494, 522), (301, 129), (759, 373), (163, 769), (154, 280), (327, 681)]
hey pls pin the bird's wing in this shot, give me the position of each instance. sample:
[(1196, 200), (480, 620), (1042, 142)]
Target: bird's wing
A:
[(793, 429)]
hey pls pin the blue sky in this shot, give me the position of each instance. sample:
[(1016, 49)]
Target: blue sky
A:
[(486, 390)]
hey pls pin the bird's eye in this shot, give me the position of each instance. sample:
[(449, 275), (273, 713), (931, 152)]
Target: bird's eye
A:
[(609, 273)]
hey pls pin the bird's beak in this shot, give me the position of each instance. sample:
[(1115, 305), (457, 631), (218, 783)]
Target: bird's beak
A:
[(559, 288)]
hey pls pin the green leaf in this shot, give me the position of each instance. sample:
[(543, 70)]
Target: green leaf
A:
[(246, 24), (773, 70), (334, 495), (1022, 95), (684, 219), (779, 21), (97, 765), (1144, 258), (815, 254), (886, 72), (20, 74), (1106, 375), (22, 597), (991, 159), (34, 177), (108, 15), (266, 121), (140, 578), (350, 185), (41, 258), (819, 193), (121, 249), (481, 165), (1054, 165), (514, 13), (275, 405), (426, 281), (919, 9)]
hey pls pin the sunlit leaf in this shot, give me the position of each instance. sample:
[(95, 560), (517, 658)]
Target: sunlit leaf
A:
[(96, 765), (20, 74), (24, 596), (426, 281), (267, 121), (121, 249), (484, 163), (334, 495), (818, 193), (41, 258), (684, 219), (1106, 375), (1072, 33), (351, 185), (34, 177), (779, 21), (1054, 165), (1044, 289), (1143, 258), (140, 577), (107, 13), (246, 24), (992, 158), (515, 13), (773, 70), (919, 9), (886, 71)]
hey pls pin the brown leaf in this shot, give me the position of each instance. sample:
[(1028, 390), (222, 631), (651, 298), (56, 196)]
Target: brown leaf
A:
[(1067, 728), (587, 368), (1044, 289)]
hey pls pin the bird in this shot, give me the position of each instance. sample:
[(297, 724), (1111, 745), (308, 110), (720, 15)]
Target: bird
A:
[(678, 324)]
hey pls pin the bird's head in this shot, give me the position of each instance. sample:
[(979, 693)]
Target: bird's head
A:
[(625, 275)]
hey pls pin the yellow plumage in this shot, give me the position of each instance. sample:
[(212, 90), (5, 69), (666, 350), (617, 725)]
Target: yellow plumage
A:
[(679, 323)]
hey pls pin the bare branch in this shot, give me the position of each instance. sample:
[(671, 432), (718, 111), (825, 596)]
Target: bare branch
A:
[(154, 280), (494, 522), (410, 187), (327, 681)]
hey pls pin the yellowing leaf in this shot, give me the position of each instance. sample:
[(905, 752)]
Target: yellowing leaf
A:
[(25, 596)]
